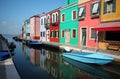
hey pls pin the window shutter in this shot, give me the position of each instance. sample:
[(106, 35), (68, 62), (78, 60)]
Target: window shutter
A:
[(91, 7), (114, 6), (99, 7), (105, 8), (84, 11)]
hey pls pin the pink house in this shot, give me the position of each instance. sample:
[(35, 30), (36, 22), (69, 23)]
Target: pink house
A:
[(88, 16), (35, 27)]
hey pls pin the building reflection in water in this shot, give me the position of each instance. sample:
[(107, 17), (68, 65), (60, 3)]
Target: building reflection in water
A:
[(59, 67)]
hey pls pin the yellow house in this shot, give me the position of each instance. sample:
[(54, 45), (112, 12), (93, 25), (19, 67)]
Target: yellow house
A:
[(109, 28), (110, 10)]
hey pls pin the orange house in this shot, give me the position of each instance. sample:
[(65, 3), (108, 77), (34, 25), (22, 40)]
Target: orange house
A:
[(109, 28)]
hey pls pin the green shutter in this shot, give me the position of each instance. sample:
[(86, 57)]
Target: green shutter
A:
[(105, 8), (99, 7), (91, 7), (84, 11), (114, 6)]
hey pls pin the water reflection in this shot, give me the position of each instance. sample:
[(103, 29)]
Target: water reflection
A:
[(58, 67)]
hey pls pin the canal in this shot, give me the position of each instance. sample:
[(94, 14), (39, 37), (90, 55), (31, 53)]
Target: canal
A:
[(44, 63)]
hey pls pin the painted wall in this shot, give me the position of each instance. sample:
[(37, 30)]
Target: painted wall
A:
[(70, 1), (42, 28), (82, 1), (88, 23), (55, 27), (111, 16), (69, 24), (35, 28), (27, 25), (32, 34)]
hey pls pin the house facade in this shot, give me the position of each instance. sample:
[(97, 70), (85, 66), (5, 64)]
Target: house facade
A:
[(42, 27), (89, 18), (27, 26), (109, 28), (69, 23), (23, 32), (54, 25), (35, 27)]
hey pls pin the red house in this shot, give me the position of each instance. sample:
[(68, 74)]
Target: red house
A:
[(88, 16), (54, 25), (35, 27)]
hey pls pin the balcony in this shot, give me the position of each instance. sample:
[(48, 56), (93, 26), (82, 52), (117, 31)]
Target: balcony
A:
[(47, 25), (55, 24)]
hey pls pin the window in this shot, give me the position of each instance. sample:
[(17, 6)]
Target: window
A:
[(92, 34), (81, 12), (44, 21), (48, 19), (52, 34), (63, 17), (112, 36), (41, 34), (57, 34), (62, 33), (95, 9), (53, 18), (109, 6), (74, 33), (73, 15), (41, 21), (56, 18)]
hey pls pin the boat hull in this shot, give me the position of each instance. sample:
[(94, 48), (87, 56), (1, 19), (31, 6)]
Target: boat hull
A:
[(92, 58)]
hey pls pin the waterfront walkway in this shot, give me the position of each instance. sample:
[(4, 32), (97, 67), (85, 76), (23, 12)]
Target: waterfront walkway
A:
[(112, 53), (7, 67)]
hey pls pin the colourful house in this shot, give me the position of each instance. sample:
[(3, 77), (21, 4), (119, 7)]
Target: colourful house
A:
[(23, 32), (88, 16), (54, 25), (47, 26), (27, 28), (42, 27), (69, 23), (109, 28), (35, 27)]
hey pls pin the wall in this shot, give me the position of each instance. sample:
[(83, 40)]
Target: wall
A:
[(112, 16)]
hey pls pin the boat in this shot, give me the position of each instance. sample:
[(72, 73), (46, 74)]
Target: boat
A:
[(87, 57), (5, 55), (33, 43), (91, 69)]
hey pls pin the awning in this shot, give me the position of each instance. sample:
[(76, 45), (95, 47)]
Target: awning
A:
[(109, 26)]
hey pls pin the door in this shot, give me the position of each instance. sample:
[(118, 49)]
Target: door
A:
[(67, 36), (83, 39), (48, 35)]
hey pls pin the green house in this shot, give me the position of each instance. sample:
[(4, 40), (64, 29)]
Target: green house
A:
[(69, 23)]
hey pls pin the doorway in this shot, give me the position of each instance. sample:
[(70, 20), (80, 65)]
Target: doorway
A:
[(83, 37)]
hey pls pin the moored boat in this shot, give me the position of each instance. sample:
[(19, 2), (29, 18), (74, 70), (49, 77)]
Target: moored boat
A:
[(86, 57), (34, 43)]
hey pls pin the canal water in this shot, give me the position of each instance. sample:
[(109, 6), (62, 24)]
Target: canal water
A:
[(44, 63)]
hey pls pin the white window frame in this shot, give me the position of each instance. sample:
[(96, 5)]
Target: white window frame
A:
[(64, 17), (95, 7), (72, 14), (80, 13), (91, 33), (72, 32), (56, 17)]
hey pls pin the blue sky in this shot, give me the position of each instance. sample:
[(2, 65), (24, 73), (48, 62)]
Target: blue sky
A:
[(14, 12)]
